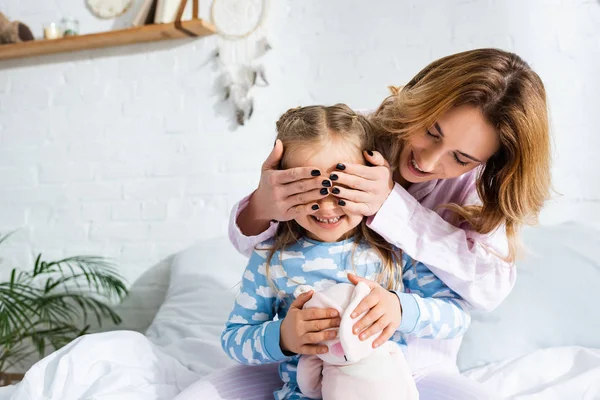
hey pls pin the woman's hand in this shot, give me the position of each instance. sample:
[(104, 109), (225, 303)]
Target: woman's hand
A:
[(384, 312), (302, 330), (284, 194), (366, 188)]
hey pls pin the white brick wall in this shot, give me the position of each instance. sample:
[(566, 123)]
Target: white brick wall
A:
[(122, 151)]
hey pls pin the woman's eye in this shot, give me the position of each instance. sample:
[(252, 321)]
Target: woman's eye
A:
[(428, 132), (458, 160)]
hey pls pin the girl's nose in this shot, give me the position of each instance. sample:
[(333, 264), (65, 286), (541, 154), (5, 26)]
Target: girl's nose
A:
[(328, 203)]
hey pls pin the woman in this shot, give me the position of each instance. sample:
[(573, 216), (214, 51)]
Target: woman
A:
[(462, 161)]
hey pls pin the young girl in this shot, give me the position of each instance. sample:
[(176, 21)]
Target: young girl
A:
[(266, 325)]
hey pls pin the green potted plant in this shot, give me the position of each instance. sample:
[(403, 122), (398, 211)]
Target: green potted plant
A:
[(51, 304)]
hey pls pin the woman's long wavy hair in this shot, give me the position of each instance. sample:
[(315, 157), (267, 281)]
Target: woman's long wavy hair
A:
[(315, 127), (515, 182)]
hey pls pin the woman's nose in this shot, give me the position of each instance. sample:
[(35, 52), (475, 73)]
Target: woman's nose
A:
[(430, 158)]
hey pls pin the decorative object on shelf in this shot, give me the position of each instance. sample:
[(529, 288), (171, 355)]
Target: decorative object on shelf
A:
[(178, 29), (144, 13), (242, 42), (13, 32), (49, 305), (52, 31), (107, 9), (166, 11), (69, 27)]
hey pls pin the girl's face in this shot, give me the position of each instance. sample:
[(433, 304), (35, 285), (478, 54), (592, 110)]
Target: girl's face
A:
[(458, 142), (330, 223)]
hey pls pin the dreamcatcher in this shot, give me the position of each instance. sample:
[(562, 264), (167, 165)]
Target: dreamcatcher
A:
[(241, 44)]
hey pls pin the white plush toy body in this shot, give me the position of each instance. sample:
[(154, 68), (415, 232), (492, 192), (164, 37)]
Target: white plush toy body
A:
[(352, 369)]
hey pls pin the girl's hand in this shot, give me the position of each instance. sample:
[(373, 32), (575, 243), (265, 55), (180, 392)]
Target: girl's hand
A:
[(385, 312), (284, 194), (366, 187), (302, 330)]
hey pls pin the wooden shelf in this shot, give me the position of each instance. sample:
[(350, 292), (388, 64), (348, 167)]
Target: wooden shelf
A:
[(146, 33)]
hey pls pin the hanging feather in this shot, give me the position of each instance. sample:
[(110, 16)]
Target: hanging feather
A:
[(240, 46)]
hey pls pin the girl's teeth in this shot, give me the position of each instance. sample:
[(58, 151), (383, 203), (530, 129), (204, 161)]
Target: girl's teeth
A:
[(328, 221)]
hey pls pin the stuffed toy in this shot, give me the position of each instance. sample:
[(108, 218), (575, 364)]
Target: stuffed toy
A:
[(13, 32), (352, 369)]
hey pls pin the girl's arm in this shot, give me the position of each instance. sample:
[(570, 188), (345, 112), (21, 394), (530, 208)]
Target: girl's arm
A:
[(430, 309), (469, 263), (251, 336)]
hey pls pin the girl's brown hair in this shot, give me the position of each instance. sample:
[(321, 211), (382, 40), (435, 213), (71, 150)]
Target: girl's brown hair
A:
[(515, 181), (315, 127)]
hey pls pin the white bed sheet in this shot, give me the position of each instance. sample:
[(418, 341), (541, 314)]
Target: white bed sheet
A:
[(182, 345), (127, 366), (569, 373)]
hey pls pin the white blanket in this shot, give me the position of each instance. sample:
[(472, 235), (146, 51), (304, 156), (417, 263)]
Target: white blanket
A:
[(125, 365), (550, 374), (120, 365)]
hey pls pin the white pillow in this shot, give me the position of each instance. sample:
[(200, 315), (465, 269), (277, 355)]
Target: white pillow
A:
[(555, 302), (201, 292)]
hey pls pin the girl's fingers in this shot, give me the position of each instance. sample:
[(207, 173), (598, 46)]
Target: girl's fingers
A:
[(387, 333), (318, 337), (301, 300), (311, 349), (322, 324), (378, 326), (369, 319), (313, 314), (355, 279)]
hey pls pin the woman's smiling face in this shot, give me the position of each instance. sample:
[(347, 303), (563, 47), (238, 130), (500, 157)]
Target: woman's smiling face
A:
[(459, 141)]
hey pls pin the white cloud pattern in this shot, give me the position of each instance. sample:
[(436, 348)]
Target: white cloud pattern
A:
[(236, 319), (246, 301), (265, 291), (249, 275), (319, 264), (260, 316)]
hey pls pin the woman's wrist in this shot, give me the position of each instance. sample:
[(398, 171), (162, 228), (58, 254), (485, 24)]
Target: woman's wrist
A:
[(250, 221)]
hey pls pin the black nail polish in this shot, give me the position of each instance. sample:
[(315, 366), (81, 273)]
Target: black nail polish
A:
[(335, 190), (326, 183), (315, 207), (342, 203), (333, 177), (340, 166), (324, 191), (369, 152), (315, 172)]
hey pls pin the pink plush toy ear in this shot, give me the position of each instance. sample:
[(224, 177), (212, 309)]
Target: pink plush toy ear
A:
[(354, 348)]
